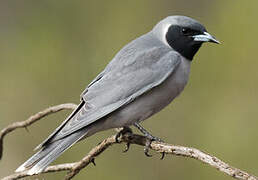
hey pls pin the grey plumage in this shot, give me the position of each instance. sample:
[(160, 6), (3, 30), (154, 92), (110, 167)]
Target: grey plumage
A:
[(144, 77)]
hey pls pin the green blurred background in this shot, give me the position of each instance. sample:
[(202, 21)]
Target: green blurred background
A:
[(50, 50)]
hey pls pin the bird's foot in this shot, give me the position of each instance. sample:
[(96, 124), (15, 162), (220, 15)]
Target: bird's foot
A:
[(153, 138), (162, 155), (146, 133), (149, 140), (148, 146), (127, 147), (124, 131)]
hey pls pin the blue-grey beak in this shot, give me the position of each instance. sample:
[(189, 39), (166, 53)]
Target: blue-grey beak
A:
[(205, 37)]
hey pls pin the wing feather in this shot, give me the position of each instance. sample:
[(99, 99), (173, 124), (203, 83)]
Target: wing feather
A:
[(109, 94), (119, 84)]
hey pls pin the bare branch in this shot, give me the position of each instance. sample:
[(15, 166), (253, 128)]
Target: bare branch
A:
[(74, 168), (55, 168), (31, 120)]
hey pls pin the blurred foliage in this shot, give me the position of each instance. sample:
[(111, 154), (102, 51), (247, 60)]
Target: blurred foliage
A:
[(50, 50)]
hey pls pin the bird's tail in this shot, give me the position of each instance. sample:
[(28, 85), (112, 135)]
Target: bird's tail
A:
[(39, 161)]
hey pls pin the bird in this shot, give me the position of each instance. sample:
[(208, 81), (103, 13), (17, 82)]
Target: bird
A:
[(144, 77)]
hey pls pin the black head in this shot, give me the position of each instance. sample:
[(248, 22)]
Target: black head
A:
[(183, 34)]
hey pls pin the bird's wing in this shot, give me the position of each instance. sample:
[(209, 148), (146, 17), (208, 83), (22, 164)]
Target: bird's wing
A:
[(75, 111), (122, 81)]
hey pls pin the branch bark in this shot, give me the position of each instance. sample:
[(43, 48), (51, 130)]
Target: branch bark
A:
[(34, 118), (74, 168)]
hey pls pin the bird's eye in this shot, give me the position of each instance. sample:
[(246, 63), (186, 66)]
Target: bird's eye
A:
[(186, 31)]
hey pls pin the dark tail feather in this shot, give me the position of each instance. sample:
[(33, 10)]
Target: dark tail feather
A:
[(39, 161), (48, 140)]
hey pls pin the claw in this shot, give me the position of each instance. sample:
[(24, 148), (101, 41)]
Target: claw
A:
[(93, 161), (121, 133), (162, 155), (146, 152), (147, 147), (127, 147)]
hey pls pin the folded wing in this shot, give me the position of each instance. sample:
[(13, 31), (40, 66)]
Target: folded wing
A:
[(119, 84)]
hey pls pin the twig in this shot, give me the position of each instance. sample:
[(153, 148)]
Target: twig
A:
[(31, 120), (74, 168)]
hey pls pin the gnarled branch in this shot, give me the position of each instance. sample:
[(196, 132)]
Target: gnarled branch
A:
[(74, 168), (34, 118)]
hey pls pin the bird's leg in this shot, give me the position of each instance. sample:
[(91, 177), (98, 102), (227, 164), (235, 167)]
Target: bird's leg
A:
[(150, 138), (146, 133), (125, 130)]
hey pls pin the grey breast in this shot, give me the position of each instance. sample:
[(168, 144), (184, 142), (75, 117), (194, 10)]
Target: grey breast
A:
[(157, 98)]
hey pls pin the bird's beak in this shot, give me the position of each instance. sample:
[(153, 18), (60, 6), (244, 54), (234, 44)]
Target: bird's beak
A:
[(205, 37)]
